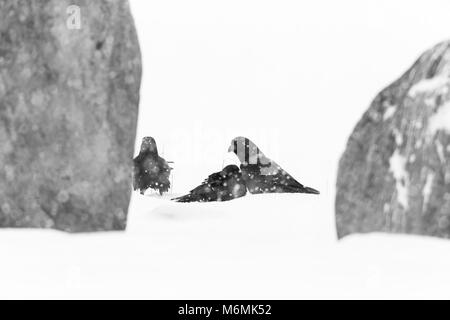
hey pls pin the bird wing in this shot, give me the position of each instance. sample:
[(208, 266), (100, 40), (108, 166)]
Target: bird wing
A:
[(206, 187), (165, 165), (286, 182)]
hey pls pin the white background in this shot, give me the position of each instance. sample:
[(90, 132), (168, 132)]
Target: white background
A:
[(295, 77)]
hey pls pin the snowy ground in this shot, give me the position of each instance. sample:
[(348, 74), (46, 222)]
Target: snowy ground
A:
[(294, 77), (247, 248)]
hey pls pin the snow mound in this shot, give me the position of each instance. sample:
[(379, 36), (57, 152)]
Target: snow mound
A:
[(440, 120), (398, 168), (433, 85)]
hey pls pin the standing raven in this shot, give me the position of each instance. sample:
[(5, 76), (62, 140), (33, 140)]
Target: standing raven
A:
[(150, 170), (220, 186), (261, 174)]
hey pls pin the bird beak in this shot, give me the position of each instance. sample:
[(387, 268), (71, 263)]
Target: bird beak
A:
[(231, 149)]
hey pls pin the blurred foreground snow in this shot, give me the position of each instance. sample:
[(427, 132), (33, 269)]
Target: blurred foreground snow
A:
[(258, 247)]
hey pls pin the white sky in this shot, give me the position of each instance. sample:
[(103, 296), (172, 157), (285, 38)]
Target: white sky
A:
[(295, 76)]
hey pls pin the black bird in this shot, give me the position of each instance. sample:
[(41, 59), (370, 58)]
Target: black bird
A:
[(261, 174), (220, 186), (150, 170)]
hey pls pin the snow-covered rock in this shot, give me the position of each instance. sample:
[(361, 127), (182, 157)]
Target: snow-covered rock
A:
[(395, 175), (69, 96)]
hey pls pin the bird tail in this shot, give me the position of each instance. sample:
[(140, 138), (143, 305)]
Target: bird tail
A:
[(186, 198), (310, 190)]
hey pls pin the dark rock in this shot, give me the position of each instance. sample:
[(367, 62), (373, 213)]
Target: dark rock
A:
[(395, 175), (68, 112)]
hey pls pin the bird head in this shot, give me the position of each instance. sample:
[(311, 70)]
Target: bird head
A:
[(247, 151), (230, 169), (149, 145)]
